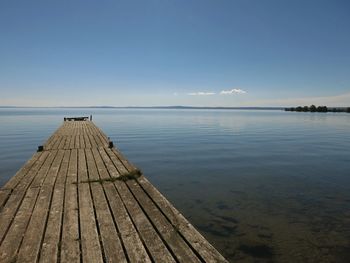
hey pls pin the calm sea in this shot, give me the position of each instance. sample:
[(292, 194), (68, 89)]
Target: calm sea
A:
[(262, 186)]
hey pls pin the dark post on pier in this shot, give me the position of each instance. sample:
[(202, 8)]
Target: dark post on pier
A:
[(78, 199)]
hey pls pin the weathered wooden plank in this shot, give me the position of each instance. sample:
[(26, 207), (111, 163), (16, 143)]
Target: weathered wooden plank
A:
[(72, 142), (100, 165), (89, 128), (128, 166), (112, 245), (93, 173), (151, 239), (70, 245), (77, 142), (113, 173), (53, 139), (141, 221), (40, 177), (9, 247), (179, 247), (57, 143), (199, 243), (50, 248), (99, 133), (29, 250), (62, 143), (102, 137), (117, 162), (92, 141), (98, 141), (10, 209), (94, 136), (87, 141), (82, 141), (12, 183), (90, 245), (133, 245), (4, 195), (67, 143)]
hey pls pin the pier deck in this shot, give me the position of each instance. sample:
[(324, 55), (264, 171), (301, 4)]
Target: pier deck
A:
[(78, 200)]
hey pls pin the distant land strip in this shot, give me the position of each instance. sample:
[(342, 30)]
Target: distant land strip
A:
[(148, 107), (313, 108)]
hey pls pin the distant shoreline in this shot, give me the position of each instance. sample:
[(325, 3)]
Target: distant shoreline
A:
[(290, 109), (322, 109), (144, 107)]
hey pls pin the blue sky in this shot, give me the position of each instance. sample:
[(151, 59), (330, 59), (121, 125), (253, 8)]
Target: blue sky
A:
[(174, 52)]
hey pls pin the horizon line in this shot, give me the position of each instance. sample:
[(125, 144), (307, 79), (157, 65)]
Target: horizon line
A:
[(163, 107), (150, 107)]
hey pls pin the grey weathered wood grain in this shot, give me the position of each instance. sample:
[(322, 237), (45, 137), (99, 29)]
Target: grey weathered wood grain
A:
[(90, 244), (69, 204), (70, 245), (51, 243), (30, 247)]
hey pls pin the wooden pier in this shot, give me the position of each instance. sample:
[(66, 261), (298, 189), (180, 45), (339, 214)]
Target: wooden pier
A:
[(79, 200)]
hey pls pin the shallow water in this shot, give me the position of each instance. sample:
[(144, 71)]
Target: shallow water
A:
[(262, 186)]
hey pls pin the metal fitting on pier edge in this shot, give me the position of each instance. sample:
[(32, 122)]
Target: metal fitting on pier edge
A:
[(110, 144)]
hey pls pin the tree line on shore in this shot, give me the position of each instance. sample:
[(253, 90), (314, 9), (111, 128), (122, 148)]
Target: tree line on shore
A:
[(313, 108)]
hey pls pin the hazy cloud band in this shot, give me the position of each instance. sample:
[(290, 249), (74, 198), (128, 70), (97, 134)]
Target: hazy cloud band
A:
[(233, 91)]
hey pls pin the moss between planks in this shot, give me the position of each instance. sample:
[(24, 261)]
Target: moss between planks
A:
[(132, 175)]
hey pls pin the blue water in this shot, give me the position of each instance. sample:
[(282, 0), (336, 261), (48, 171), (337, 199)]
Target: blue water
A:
[(262, 186)]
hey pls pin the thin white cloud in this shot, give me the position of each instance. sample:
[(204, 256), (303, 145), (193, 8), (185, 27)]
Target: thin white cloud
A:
[(200, 93), (233, 91)]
